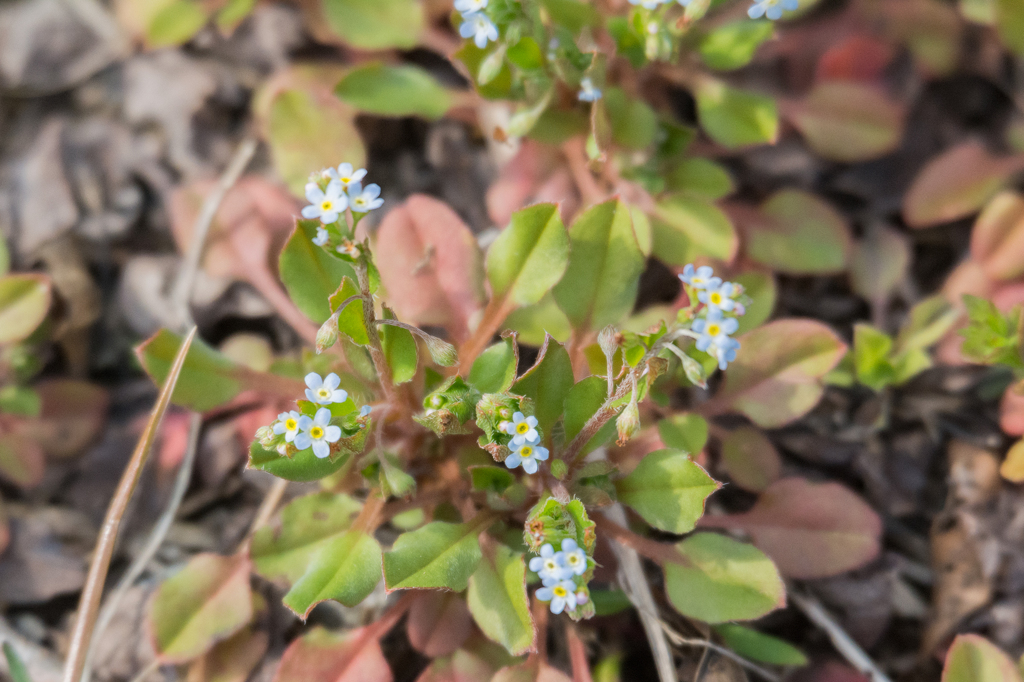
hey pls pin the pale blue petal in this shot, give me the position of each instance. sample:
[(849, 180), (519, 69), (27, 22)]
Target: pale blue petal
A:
[(305, 423), (513, 460), (536, 563), (544, 594), (530, 465), (332, 381), (314, 194), (279, 429), (547, 551), (311, 212), (339, 396), (290, 436), (774, 13), (303, 441), (314, 381), (321, 449), (332, 434), (323, 417), (569, 545)]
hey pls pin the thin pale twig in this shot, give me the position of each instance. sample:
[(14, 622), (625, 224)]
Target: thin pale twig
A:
[(843, 643), (268, 506), (156, 538), (679, 640)]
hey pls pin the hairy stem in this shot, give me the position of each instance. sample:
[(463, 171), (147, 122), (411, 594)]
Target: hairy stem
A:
[(380, 362)]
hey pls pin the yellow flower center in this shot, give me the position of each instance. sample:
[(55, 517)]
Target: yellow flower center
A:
[(695, 281), (326, 205), (345, 181), (550, 564), (560, 591), (525, 451), (522, 427), (291, 424), (714, 330), (573, 558), (716, 298), (323, 392), (316, 433)]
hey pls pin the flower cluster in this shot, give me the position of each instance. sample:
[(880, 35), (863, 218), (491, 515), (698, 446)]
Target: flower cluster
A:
[(771, 9), (558, 572), (714, 328), (525, 443), (320, 422), (476, 24), (344, 190), (588, 91)]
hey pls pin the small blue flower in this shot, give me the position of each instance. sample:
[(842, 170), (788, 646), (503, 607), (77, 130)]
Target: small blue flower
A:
[(348, 176), (772, 8), (325, 391), (479, 27), (365, 410), (647, 4), (325, 205), (321, 236), (318, 433), (684, 3), (714, 337), (726, 352), (548, 566), (718, 297), (573, 558), (588, 93), (364, 200), (560, 594), (470, 6), (288, 424), (527, 455), (701, 278), (523, 429)]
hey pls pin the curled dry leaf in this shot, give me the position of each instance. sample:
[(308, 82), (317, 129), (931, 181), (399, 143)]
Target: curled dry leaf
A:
[(810, 530), (433, 271)]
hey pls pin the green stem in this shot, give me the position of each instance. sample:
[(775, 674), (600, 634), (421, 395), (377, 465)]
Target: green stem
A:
[(380, 362)]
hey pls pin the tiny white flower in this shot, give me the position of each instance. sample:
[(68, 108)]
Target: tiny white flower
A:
[(701, 278), (321, 236), (560, 594), (325, 391), (588, 93), (527, 455), (772, 8), (288, 424), (348, 176), (364, 200), (572, 557), (547, 565), (326, 205), (318, 433), (470, 6), (476, 25), (523, 429)]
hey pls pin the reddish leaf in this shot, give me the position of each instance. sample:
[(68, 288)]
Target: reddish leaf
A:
[(776, 376), (750, 458), (430, 265), (975, 659), (797, 232), (1011, 410), (233, 660), (73, 412), (21, 460), (879, 263), (325, 656), (464, 666), (860, 57), (438, 623), (997, 240), (810, 530), (956, 184), (829, 671), (531, 671), (5, 530)]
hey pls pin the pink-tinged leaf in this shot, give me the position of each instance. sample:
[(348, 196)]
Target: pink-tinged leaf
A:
[(997, 240), (975, 659), (1011, 410), (796, 232), (73, 413), (776, 376), (531, 671), (848, 121), (24, 302), (830, 671), (233, 660), (325, 656), (5, 530), (879, 263), (206, 602), (860, 57), (463, 666), (956, 184), (438, 623), (21, 460), (751, 460), (430, 265), (810, 530)]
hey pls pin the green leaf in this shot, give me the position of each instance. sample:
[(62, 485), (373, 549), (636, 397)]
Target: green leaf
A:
[(375, 24), (634, 124), (345, 569), (572, 14), (307, 128), (700, 178), (929, 321), (206, 602), (686, 431), (751, 460), (311, 275), (776, 376), (394, 482), (495, 370), (1010, 22), (5, 258), (535, 322), (732, 45), (491, 478), (22, 460), (668, 490), (871, 349), (686, 228), (719, 579), (759, 646), (399, 350), (15, 666), (601, 282), (760, 286), (975, 659), (879, 262), (394, 91), (498, 601), (584, 399), (350, 320), (176, 23), (848, 121), (20, 400), (304, 465), (24, 302), (284, 550), (530, 256), (547, 383), (735, 118), (798, 233), (439, 555)]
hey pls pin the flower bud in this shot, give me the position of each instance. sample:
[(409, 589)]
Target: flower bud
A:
[(608, 341), (265, 435), (327, 336), (628, 422), (441, 352)]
